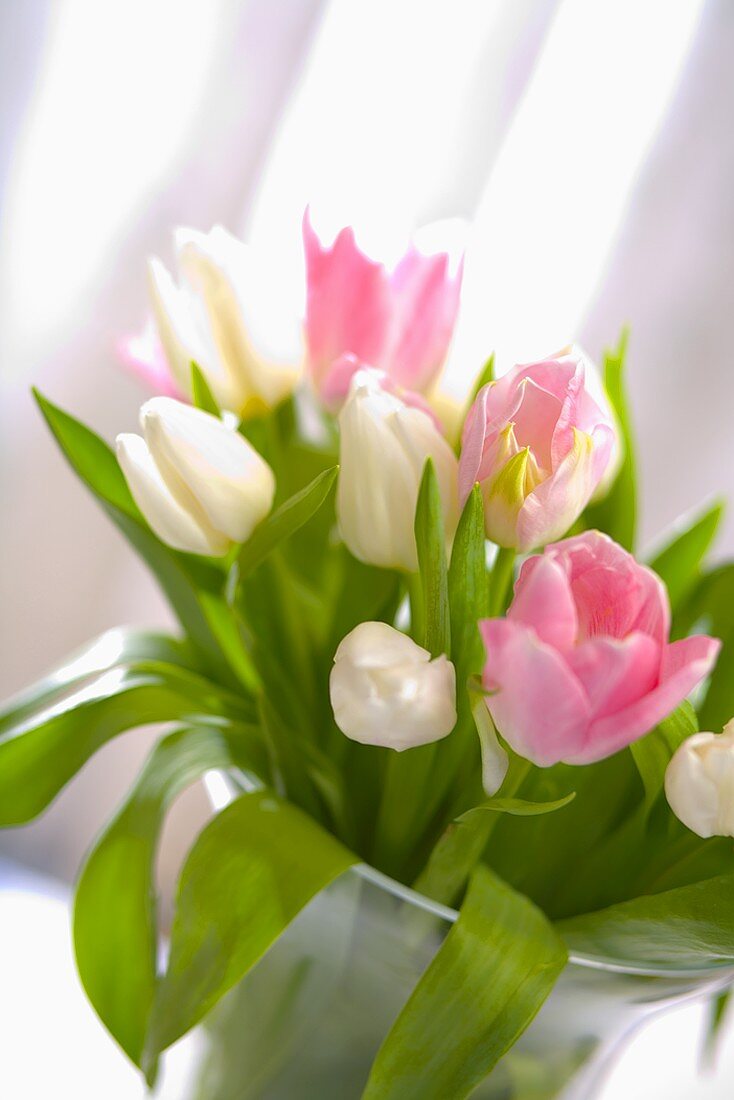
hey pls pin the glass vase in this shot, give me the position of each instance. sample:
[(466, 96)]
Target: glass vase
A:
[(308, 1020)]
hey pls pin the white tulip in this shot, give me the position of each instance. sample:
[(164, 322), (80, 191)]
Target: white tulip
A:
[(385, 690), (201, 486), (383, 450), (699, 783), (211, 318)]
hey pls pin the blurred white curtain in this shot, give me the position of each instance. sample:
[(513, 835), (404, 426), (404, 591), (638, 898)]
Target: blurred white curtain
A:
[(588, 144)]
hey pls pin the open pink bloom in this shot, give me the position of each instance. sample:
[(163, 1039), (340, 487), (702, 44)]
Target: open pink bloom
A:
[(538, 444), (398, 321), (582, 665)]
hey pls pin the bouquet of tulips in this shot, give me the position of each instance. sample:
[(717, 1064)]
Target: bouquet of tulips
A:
[(414, 636)]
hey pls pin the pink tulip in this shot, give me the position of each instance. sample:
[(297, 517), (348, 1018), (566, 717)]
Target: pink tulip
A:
[(398, 321), (538, 444), (582, 665)]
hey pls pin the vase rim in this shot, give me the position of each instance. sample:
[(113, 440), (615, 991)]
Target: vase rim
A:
[(222, 787)]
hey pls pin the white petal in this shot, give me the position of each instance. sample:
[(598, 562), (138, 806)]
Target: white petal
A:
[(172, 523), (212, 470), (385, 690), (383, 449)]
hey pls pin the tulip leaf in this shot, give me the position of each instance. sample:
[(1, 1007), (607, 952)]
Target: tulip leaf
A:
[(201, 393), (468, 586), (678, 563), (652, 753), (115, 918), (285, 521), (710, 606), (494, 970), (115, 648), (519, 807), (39, 755), (616, 513), (430, 537), (250, 872), (181, 576), (691, 927)]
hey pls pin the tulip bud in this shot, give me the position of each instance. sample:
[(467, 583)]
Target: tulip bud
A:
[(383, 451), (699, 783), (201, 486), (538, 444), (385, 690), (210, 317)]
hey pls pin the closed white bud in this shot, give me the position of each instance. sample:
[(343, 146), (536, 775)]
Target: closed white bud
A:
[(383, 451), (699, 783), (211, 317), (386, 690), (200, 485)]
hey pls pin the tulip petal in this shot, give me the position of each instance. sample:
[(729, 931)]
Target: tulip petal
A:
[(544, 602), (616, 673), (181, 326), (538, 704), (556, 503), (426, 301), (212, 470), (142, 353), (347, 302), (685, 663), (170, 521), (472, 443)]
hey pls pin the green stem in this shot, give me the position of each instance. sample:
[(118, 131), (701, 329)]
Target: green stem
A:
[(501, 581)]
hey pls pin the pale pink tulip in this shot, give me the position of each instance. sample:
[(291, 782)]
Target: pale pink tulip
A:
[(582, 665), (398, 321), (538, 444)]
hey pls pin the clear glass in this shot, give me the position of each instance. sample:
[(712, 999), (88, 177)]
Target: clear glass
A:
[(307, 1021)]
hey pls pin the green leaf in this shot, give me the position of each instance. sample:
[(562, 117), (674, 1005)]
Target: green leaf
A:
[(251, 871), (116, 648), (710, 608), (468, 585), (181, 576), (115, 918), (679, 562), (688, 928), (519, 807), (490, 977), (430, 538), (39, 755), (616, 514), (285, 520), (201, 393), (652, 753)]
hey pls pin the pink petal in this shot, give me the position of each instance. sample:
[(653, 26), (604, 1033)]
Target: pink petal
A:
[(425, 299), (543, 602), (535, 421), (615, 674), (539, 706), (551, 508), (614, 594), (347, 302), (143, 355), (472, 443), (684, 665)]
